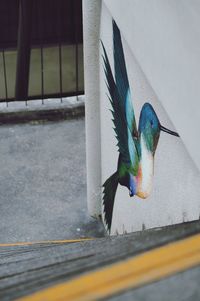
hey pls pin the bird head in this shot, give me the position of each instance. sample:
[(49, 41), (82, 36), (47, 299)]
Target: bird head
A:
[(150, 127), (129, 181)]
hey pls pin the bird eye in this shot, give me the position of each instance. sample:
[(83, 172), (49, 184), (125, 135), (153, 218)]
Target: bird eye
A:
[(151, 122)]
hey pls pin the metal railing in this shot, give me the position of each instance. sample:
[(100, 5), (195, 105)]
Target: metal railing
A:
[(41, 34)]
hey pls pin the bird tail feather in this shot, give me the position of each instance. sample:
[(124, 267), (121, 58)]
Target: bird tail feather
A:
[(109, 191)]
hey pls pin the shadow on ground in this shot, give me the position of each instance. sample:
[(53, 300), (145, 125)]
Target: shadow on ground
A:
[(43, 182)]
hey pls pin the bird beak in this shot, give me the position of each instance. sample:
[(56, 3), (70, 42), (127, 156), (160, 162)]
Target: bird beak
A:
[(162, 128)]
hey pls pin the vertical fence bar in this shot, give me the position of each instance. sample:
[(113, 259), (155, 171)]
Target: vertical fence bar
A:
[(42, 72), (23, 49), (74, 20), (59, 3), (5, 76), (77, 58), (60, 66), (39, 9)]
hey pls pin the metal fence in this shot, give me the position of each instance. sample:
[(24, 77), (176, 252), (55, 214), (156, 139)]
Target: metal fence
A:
[(41, 53)]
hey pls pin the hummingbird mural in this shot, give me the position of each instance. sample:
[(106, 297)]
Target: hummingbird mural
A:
[(136, 146)]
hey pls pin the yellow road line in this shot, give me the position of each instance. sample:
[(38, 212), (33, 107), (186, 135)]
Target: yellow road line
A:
[(130, 273), (30, 243)]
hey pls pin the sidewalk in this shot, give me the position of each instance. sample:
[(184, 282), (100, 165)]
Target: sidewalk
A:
[(43, 182)]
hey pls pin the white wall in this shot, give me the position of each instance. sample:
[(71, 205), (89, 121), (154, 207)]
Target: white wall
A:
[(91, 25), (161, 58), (164, 36)]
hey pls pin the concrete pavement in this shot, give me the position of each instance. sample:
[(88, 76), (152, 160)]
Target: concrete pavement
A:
[(43, 182)]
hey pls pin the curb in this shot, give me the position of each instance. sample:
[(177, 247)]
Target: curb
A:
[(43, 114)]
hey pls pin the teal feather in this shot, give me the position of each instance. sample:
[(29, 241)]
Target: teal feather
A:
[(119, 119), (110, 188), (122, 82)]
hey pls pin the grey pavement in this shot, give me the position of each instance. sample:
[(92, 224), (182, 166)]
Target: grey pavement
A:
[(43, 182)]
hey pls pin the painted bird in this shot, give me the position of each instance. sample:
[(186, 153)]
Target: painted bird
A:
[(136, 146)]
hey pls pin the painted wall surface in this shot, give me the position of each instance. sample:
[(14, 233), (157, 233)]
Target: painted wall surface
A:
[(175, 191), (164, 36)]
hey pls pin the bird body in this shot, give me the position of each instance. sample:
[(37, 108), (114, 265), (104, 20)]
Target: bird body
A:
[(145, 171), (136, 146)]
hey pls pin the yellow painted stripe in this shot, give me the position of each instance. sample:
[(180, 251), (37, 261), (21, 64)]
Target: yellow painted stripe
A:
[(130, 273), (30, 243)]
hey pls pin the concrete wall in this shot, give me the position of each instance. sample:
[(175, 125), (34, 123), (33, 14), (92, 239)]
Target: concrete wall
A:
[(91, 24), (161, 69), (164, 36)]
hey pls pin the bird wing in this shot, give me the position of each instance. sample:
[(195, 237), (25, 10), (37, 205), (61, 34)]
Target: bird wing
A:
[(122, 83), (119, 96)]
